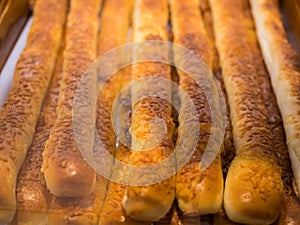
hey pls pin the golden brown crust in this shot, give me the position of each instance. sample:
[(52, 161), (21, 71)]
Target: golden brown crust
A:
[(33, 198), (115, 24), (66, 172), (274, 117), (115, 21), (197, 192), (289, 214), (112, 212), (145, 202), (75, 211), (19, 114), (253, 189), (228, 151), (282, 64)]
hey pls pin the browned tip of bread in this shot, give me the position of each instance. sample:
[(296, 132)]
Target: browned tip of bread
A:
[(207, 190), (253, 191), (149, 203), (67, 180)]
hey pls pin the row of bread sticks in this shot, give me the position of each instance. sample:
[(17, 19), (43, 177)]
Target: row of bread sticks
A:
[(253, 187)]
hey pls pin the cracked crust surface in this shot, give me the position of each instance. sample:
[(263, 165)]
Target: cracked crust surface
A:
[(145, 202), (19, 114), (282, 64), (66, 172), (228, 151), (245, 199), (197, 192), (33, 198)]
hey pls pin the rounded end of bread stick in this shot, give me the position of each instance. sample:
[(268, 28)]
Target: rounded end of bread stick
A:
[(150, 203), (253, 191), (207, 191), (70, 180)]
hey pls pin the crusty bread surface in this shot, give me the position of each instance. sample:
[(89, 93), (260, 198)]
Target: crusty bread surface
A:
[(145, 202), (67, 174), (281, 61), (19, 114), (253, 187), (197, 192)]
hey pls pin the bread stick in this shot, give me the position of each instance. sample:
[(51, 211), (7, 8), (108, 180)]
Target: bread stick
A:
[(291, 207), (19, 114), (197, 192), (114, 26), (118, 13), (274, 117), (74, 211), (277, 132), (33, 198), (145, 202), (282, 64), (228, 151), (66, 172), (253, 188)]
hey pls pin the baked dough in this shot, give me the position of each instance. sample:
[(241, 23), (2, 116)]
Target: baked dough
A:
[(19, 114), (253, 187), (197, 192), (66, 172), (145, 203), (33, 198), (282, 64)]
